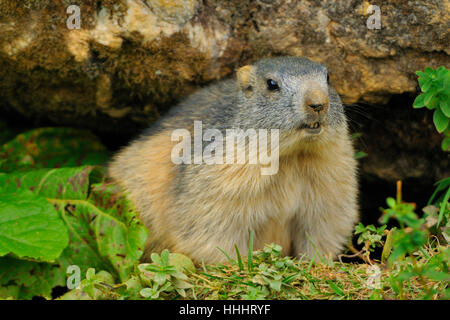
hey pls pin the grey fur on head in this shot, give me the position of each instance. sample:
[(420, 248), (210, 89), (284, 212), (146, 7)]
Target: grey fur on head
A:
[(283, 109), (226, 105)]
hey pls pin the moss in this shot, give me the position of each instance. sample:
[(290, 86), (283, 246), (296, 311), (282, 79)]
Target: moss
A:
[(158, 73), (44, 80)]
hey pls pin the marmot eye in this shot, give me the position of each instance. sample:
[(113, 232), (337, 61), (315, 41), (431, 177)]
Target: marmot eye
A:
[(272, 85), (328, 78)]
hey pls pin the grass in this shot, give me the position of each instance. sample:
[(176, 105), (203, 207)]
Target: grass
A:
[(266, 274), (270, 276)]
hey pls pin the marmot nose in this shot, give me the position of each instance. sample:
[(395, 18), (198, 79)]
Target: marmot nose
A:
[(316, 100), (317, 107)]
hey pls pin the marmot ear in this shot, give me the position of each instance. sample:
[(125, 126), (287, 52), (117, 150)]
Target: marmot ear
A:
[(245, 78)]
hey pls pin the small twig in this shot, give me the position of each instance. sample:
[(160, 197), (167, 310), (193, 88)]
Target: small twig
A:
[(356, 253)]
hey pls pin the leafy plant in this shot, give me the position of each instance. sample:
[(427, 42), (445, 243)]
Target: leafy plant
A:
[(162, 276), (52, 218), (409, 257), (411, 235), (370, 236), (435, 86)]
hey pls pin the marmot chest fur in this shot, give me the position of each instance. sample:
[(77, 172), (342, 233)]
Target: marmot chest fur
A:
[(268, 151)]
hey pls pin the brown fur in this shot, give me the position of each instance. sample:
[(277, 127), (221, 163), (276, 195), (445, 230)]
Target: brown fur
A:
[(311, 193), (308, 207)]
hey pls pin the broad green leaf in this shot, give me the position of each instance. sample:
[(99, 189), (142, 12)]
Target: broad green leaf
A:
[(64, 183), (429, 71), (390, 202), (440, 120), (446, 144), (104, 230), (442, 72), (445, 107), (429, 96), (421, 81), (419, 101), (119, 234), (433, 103), (30, 227), (427, 85), (181, 262), (52, 148), (21, 279), (422, 74)]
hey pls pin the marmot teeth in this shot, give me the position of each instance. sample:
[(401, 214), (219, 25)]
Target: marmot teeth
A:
[(315, 125)]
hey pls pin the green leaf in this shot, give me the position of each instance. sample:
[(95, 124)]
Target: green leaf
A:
[(30, 227), (65, 183), (440, 120), (275, 285), (445, 107), (419, 101), (390, 202), (181, 262), (387, 249), (422, 75), (104, 227), (165, 258), (360, 155), (160, 278), (155, 258), (446, 144), (429, 96), (21, 279), (427, 85), (52, 148), (442, 72), (104, 230), (434, 103)]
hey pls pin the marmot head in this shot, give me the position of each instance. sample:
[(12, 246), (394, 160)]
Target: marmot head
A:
[(291, 94)]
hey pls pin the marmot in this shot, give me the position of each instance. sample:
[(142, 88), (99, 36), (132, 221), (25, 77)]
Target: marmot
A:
[(309, 206)]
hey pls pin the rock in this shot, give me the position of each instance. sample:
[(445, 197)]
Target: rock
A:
[(133, 59)]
